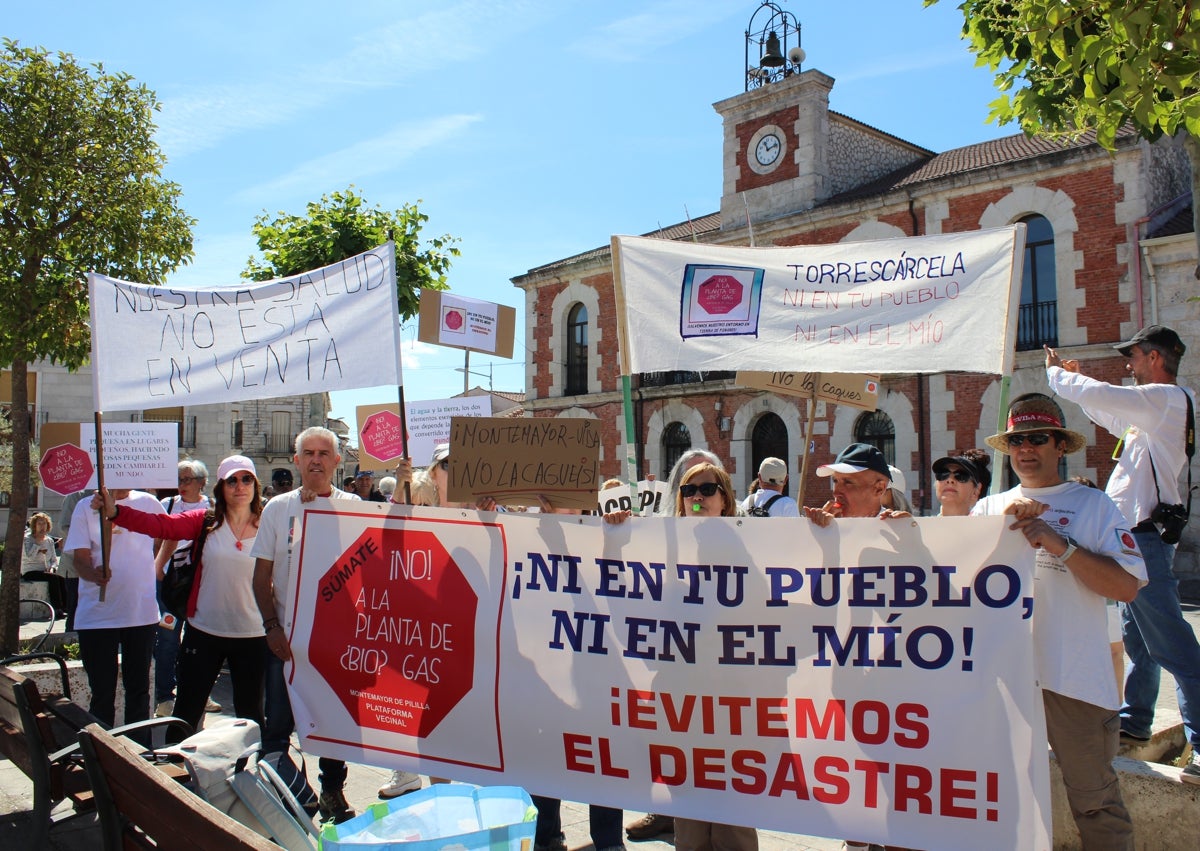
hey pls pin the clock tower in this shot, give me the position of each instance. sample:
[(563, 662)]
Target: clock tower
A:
[(776, 148)]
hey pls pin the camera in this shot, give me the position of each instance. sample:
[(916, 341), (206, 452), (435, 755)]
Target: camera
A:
[(1170, 519)]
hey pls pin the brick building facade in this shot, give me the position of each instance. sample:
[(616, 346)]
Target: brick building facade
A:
[(1108, 250)]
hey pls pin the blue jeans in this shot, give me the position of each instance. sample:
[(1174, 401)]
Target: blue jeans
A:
[(166, 656), (604, 823), (1157, 637), (278, 724)]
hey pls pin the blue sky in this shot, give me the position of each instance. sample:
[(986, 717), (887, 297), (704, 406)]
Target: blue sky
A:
[(532, 129)]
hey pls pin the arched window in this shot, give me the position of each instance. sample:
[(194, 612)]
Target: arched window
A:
[(769, 440), (577, 351), (675, 441), (876, 428), (1038, 319)]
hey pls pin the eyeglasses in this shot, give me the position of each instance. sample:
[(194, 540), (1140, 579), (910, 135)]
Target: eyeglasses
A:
[(245, 479), (1038, 438), (187, 480), (959, 475), (706, 489)]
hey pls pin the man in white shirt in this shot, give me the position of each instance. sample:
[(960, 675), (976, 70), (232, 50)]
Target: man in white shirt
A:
[(1151, 418), (1085, 555), (770, 496)]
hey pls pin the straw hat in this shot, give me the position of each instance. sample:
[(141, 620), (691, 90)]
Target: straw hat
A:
[(1036, 412)]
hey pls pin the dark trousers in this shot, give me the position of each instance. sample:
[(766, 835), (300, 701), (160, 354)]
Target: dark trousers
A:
[(99, 649), (279, 723), (72, 586), (603, 822), (201, 657), (56, 588)]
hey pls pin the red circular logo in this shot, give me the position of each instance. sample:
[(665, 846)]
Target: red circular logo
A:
[(720, 294), (394, 631), (454, 319), (65, 469)]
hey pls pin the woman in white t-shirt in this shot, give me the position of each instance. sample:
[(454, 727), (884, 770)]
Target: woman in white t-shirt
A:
[(223, 621)]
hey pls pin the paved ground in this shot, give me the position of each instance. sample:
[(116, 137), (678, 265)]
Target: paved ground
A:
[(82, 834)]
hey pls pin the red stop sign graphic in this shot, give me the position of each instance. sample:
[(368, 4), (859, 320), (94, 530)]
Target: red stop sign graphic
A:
[(394, 631), (65, 469), (720, 294), (382, 436)]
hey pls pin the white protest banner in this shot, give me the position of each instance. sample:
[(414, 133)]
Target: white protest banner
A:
[(428, 425), (136, 455), (619, 498), (335, 328), (921, 304), (768, 672)]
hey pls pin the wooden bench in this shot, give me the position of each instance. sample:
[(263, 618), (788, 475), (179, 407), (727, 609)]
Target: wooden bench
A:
[(39, 734), (139, 807)]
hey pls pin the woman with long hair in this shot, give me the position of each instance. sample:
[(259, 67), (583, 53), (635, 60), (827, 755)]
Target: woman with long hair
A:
[(223, 620)]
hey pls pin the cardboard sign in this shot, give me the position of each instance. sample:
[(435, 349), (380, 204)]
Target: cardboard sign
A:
[(513, 461), (380, 442), (466, 323), (136, 455), (856, 390)]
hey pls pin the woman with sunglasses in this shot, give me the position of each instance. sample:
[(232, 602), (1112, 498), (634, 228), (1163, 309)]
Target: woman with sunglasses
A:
[(223, 620), (706, 491), (962, 479)]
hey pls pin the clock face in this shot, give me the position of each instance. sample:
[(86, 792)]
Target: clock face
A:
[(768, 149)]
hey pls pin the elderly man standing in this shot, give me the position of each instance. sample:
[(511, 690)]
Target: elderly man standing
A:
[(1153, 418), (770, 500), (861, 476), (317, 459), (1085, 555)]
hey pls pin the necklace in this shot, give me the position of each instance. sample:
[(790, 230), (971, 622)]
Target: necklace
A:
[(239, 534)]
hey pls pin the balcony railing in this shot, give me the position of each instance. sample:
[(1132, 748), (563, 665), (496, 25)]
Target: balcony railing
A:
[(1037, 325)]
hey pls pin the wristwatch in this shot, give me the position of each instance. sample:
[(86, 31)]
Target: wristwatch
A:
[(1070, 550)]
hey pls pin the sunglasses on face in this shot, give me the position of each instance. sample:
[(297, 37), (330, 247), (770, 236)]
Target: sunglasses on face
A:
[(958, 475), (245, 479), (706, 489), (1039, 438)]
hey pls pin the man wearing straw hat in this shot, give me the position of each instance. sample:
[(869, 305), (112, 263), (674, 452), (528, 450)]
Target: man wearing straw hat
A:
[(1085, 554)]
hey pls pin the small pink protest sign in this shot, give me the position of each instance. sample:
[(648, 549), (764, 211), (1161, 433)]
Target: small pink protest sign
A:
[(382, 436), (65, 469)]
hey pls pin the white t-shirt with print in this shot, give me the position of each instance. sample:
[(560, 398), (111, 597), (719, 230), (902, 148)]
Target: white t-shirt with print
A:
[(1070, 624)]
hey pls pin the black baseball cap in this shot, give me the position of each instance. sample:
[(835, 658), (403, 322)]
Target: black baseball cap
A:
[(1155, 335), (854, 459)]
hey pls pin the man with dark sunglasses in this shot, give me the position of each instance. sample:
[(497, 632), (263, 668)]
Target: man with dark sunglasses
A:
[(1085, 554), (1151, 419)]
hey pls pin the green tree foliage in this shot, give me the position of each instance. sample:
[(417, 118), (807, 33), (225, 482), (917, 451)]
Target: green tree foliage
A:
[(80, 190), (1069, 66), (342, 225)]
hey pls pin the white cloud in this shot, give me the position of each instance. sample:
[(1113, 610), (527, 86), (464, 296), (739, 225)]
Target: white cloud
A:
[(362, 159), (659, 24)]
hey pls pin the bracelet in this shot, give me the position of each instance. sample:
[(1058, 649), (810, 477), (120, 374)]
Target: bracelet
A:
[(272, 629), (270, 624)]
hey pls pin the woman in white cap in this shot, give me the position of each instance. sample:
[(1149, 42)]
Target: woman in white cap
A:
[(223, 621)]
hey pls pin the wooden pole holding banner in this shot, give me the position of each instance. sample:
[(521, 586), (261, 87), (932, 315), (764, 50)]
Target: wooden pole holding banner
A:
[(404, 454), (105, 523), (808, 430)]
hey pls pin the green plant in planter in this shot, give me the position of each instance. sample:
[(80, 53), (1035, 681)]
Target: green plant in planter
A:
[(68, 651)]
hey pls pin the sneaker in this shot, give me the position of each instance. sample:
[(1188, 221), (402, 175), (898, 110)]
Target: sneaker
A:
[(165, 708), (212, 706), (332, 805), (650, 826), (1191, 771), (400, 783)]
